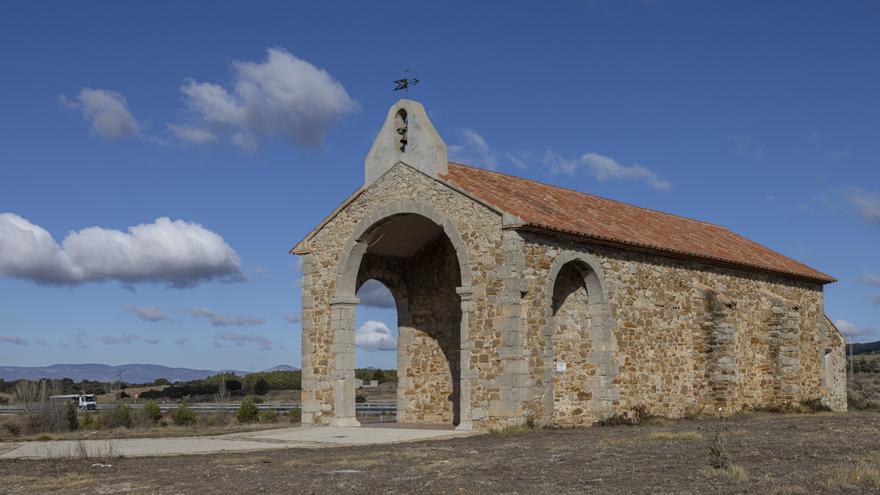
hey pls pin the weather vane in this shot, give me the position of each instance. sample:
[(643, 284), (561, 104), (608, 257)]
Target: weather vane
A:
[(405, 83)]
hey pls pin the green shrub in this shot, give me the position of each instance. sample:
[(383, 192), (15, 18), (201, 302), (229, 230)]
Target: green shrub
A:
[(296, 416), (72, 419), (123, 415), (183, 415), (360, 398), (88, 421), (268, 416), (152, 411), (261, 386), (248, 411)]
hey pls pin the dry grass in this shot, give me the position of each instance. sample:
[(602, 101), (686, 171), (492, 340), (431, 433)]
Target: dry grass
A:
[(69, 481), (732, 474), (787, 490), (860, 475), (688, 436)]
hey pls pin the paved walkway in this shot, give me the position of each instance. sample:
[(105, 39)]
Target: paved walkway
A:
[(283, 438)]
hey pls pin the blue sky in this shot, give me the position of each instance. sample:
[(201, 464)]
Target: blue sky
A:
[(245, 125)]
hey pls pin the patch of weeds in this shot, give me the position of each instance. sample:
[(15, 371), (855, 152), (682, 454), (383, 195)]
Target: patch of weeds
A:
[(860, 475), (675, 435), (511, 430), (44, 438), (856, 402), (732, 474), (803, 407), (787, 490), (637, 415), (693, 413), (716, 454)]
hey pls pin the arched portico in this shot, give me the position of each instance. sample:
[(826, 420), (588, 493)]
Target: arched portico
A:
[(395, 233), (593, 317)]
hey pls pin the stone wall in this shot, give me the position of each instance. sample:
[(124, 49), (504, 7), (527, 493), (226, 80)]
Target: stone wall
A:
[(479, 251), (688, 336)]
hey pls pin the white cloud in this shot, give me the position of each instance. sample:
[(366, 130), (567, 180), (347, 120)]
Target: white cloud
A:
[(11, 339), (190, 134), (107, 111), (181, 341), (152, 341), (283, 95), (374, 294), (219, 320), (745, 146), (146, 313), (558, 163), (175, 252), (375, 336), (870, 279), (851, 330), (242, 339), (473, 149), (604, 168), (119, 339), (292, 318), (867, 203)]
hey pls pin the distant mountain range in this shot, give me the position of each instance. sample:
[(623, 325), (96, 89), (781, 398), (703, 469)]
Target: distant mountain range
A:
[(131, 373), (866, 347)]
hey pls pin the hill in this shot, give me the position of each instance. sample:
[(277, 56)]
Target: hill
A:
[(131, 373), (866, 347)]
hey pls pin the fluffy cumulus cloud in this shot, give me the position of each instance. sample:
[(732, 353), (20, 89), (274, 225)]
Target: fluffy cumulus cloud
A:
[(604, 168), (242, 339), (852, 331), (867, 203), (107, 111), (473, 149), (375, 336), (146, 313), (179, 253), (374, 294), (219, 320), (280, 96), (119, 339), (12, 339)]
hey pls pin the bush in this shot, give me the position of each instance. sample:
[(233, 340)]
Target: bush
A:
[(13, 427), (88, 421), (152, 411), (261, 386), (268, 416), (296, 416), (123, 415), (72, 416), (360, 398), (183, 415), (248, 411)]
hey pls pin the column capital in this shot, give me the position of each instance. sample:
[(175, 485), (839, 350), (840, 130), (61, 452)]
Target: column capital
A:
[(344, 301), (465, 293)]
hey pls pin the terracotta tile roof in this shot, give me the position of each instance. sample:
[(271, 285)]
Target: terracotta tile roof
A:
[(552, 208)]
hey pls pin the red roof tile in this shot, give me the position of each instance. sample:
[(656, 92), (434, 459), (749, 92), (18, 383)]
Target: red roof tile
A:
[(562, 210)]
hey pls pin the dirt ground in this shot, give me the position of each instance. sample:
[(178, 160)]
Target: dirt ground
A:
[(772, 454)]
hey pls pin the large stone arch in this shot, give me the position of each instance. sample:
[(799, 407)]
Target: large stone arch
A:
[(344, 302), (604, 345)]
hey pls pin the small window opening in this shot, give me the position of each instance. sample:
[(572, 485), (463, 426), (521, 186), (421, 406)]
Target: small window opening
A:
[(400, 123)]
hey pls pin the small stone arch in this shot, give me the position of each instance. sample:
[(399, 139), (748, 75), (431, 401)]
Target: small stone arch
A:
[(345, 301), (604, 344)]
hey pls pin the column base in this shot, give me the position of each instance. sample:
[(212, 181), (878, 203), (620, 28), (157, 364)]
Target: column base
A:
[(465, 426), (344, 422)]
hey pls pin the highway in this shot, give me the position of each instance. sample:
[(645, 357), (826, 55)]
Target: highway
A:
[(363, 408)]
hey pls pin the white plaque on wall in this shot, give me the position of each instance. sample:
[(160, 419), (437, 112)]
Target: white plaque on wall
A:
[(560, 366)]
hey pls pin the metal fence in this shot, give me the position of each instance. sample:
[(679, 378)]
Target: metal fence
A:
[(363, 408)]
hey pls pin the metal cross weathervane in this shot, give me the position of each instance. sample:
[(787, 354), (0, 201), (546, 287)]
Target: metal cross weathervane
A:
[(405, 83)]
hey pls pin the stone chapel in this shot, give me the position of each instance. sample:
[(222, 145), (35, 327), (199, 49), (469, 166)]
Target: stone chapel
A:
[(521, 302)]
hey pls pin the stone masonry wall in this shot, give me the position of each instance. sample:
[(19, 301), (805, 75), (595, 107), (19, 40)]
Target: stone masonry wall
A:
[(689, 337)]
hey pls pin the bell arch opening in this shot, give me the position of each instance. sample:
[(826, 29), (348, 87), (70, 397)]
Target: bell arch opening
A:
[(414, 257)]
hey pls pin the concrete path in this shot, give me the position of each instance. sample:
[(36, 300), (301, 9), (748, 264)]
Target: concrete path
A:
[(283, 438)]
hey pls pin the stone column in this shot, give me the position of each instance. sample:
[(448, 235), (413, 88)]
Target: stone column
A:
[(342, 323), (722, 346), (515, 380), (310, 405), (467, 373)]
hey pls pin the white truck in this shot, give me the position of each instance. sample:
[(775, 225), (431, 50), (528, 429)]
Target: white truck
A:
[(85, 402)]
